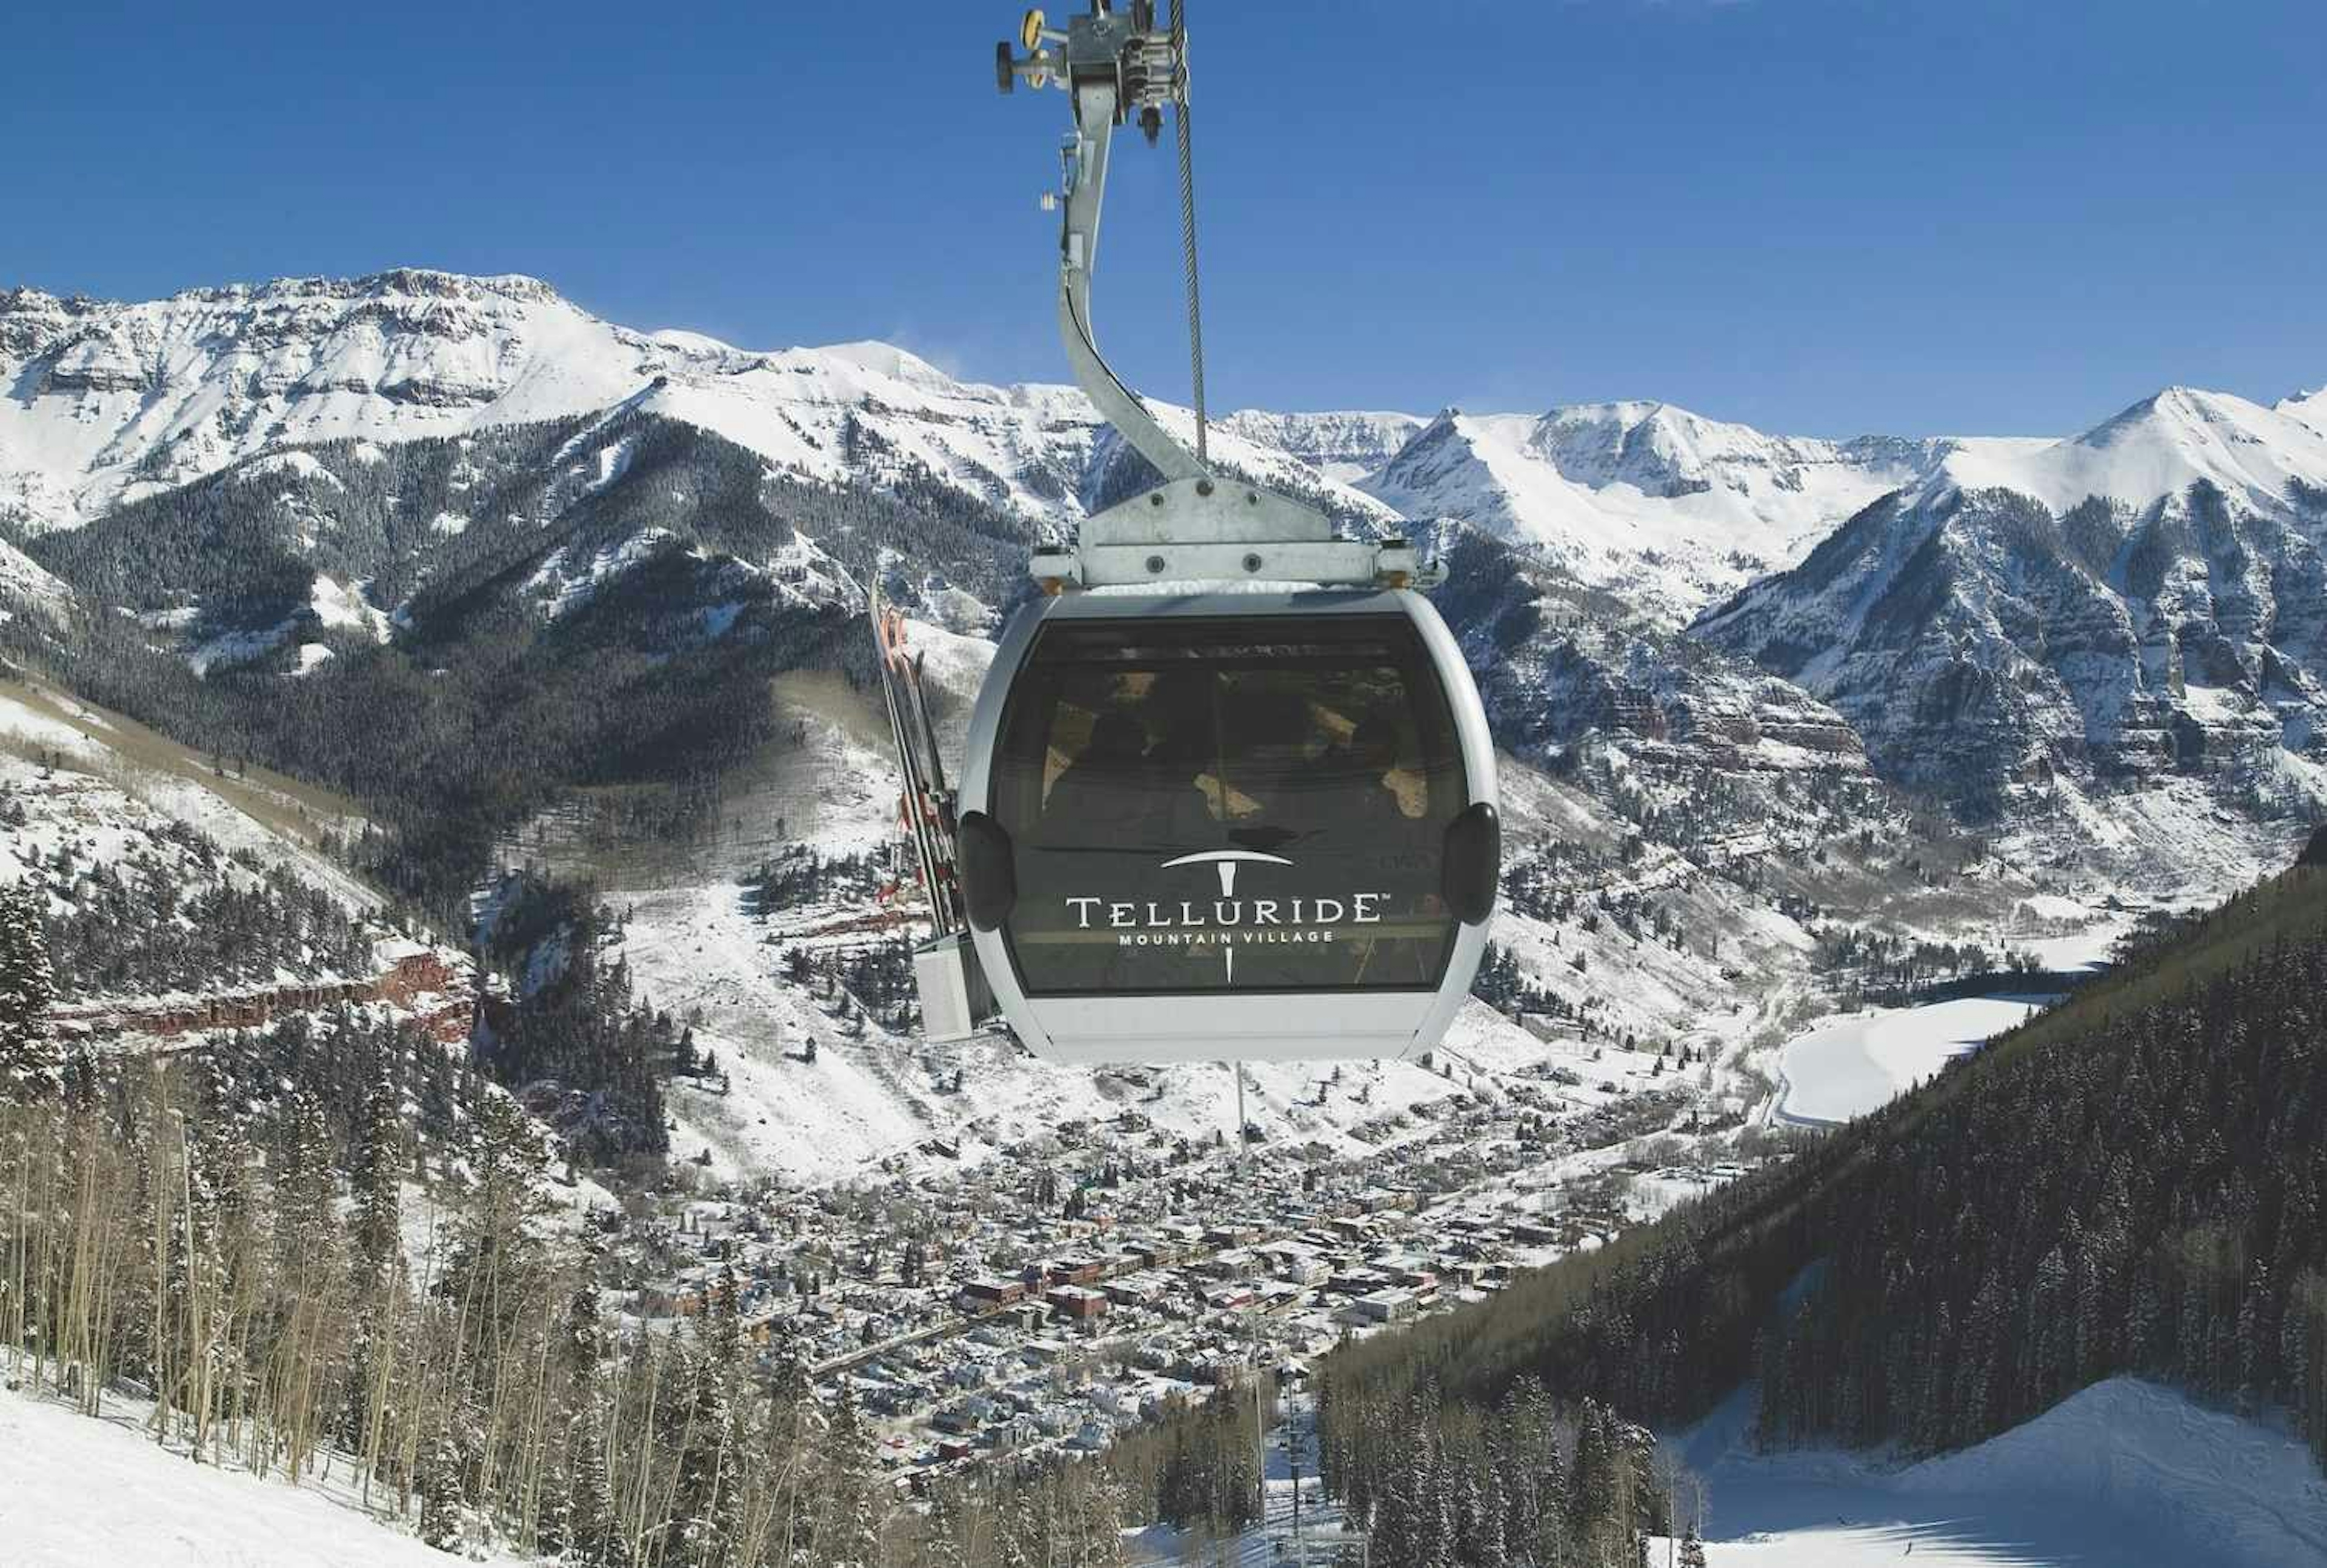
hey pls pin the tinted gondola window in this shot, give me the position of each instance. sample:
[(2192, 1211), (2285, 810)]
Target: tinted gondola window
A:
[(1255, 805)]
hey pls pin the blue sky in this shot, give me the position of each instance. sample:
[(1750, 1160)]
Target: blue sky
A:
[(1819, 215)]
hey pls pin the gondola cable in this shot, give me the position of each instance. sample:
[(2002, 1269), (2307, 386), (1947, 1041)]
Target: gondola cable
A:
[(1188, 225)]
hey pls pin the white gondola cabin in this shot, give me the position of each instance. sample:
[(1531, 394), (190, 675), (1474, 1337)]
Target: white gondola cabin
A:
[(1249, 827)]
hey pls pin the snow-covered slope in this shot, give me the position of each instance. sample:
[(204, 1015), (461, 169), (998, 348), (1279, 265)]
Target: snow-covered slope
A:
[(2159, 447), (115, 400), (1665, 506), (2125, 1473), (1342, 446), (24, 585), (100, 785), (76, 1491)]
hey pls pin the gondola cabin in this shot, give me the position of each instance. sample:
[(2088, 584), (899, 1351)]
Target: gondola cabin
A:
[(1251, 827)]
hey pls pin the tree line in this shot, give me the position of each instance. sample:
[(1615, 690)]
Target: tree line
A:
[(2132, 1183), (139, 925), (1441, 1484)]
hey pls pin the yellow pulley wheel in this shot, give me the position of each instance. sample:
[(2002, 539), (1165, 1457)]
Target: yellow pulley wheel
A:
[(1030, 31)]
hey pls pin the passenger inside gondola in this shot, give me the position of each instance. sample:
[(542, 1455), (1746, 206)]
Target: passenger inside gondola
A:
[(1184, 762), (1266, 775), (1357, 780), (1104, 791)]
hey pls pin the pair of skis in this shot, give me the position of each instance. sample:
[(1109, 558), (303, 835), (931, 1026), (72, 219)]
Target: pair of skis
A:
[(925, 807)]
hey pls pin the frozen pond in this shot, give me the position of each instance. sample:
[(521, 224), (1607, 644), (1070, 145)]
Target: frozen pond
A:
[(1848, 1066)]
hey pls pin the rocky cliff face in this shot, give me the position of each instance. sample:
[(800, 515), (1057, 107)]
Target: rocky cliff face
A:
[(2064, 621)]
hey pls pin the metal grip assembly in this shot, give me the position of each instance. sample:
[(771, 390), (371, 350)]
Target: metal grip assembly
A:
[(1123, 50)]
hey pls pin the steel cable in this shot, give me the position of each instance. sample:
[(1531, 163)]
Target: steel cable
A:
[(1188, 221)]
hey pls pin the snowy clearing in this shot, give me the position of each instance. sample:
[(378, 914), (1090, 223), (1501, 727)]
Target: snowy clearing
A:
[(182, 1512), (1862, 1060), (2125, 1474), (111, 780)]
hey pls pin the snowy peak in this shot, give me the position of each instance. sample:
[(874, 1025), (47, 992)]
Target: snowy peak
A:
[(1479, 468), (117, 400), (2144, 600), (1676, 509), (888, 360), (1670, 506), (1344, 445), (2159, 447), (120, 402), (1660, 450)]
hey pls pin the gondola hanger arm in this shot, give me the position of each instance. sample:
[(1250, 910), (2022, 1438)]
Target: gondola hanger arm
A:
[(1196, 524), (1113, 65)]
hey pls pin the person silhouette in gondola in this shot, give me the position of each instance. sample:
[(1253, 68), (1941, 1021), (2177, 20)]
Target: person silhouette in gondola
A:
[(1101, 794), (1185, 763), (1358, 797)]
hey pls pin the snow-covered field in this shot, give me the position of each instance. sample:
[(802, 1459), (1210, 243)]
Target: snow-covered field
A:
[(2125, 1474), (77, 1493), (1855, 1063)]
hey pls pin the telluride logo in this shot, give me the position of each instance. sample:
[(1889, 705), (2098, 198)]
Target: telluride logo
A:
[(1227, 919)]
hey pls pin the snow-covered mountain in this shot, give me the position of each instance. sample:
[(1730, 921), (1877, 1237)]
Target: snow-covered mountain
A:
[(390, 439), (115, 402), (1663, 505), (268, 472), (1343, 446), (2148, 597), (1560, 666), (2159, 447)]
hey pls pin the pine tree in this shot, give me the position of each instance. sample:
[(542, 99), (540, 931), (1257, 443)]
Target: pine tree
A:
[(594, 1538), (376, 1171), (852, 1538), (707, 1486), (439, 1486), (28, 1060)]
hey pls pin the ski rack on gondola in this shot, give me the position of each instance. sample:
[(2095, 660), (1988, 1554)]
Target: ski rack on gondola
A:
[(954, 1001)]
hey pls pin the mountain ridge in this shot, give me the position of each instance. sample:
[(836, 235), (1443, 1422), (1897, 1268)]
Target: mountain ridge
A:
[(324, 455)]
